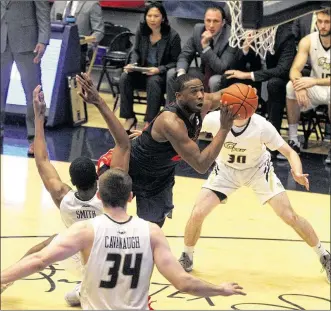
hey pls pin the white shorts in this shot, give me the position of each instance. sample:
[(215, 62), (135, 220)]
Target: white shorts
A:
[(262, 180), (318, 95)]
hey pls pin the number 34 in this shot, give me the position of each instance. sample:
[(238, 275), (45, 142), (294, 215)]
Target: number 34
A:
[(127, 270)]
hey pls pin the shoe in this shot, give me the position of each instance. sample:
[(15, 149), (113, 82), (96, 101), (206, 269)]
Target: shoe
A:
[(328, 159), (209, 135), (5, 286), (73, 297), (31, 150), (186, 262), (133, 126), (295, 146), (326, 263)]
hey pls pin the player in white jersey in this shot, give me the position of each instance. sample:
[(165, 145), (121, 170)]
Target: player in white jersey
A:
[(118, 252), (83, 203), (304, 93), (245, 161)]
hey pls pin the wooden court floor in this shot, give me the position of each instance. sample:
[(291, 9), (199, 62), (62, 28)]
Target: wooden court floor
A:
[(242, 241)]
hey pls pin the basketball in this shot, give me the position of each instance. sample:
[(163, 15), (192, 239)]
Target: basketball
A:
[(243, 99)]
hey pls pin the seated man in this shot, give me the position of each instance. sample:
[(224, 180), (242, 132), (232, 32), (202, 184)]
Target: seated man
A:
[(276, 73), (89, 20), (304, 93), (211, 41)]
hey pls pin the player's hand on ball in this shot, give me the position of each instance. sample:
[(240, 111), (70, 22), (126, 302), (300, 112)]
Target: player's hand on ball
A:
[(230, 289), (227, 117), (89, 92), (301, 179), (39, 105)]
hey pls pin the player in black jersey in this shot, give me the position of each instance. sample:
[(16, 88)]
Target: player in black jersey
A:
[(172, 136)]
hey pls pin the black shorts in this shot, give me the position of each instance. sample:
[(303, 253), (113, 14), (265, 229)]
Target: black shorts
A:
[(155, 207)]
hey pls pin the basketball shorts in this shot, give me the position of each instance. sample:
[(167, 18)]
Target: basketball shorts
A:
[(152, 207), (262, 180), (155, 207), (318, 95)]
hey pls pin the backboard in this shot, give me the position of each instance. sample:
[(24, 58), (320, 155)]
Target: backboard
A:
[(261, 14)]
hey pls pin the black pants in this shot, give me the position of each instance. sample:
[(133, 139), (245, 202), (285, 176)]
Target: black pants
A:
[(83, 54), (155, 208), (276, 101), (155, 88)]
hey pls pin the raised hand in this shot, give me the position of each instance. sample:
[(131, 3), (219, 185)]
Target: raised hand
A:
[(39, 105), (230, 289), (227, 117), (89, 92), (301, 179)]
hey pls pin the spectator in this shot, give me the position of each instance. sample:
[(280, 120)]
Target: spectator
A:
[(211, 41), (276, 73), (157, 46), (304, 93), (25, 33), (89, 21)]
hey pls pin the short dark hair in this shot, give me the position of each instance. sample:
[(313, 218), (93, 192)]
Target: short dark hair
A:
[(165, 27), (115, 187), (325, 11), (181, 80), (216, 8), (83, 173)]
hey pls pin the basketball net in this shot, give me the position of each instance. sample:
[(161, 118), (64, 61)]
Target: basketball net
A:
[(261, 41)]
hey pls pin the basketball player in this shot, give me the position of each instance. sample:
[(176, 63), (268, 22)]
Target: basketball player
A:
[(84, 203), (118, 252), (304, 93), (172, 136), (244, 161)]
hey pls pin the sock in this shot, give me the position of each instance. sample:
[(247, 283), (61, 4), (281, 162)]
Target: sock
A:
[(293, 132), (189, 250), (320, 250)]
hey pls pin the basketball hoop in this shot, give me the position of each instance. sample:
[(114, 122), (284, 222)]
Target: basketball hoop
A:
[(261, 41)]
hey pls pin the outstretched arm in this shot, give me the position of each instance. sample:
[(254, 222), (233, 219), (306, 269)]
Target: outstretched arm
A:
[(47, 172), (176, 133), (171, 269), (78, 237), (121, 152), (296, 165)]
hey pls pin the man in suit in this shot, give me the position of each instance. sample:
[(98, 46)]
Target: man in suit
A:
[(211, 41), (89, 20), (275, 72), (25, 33)]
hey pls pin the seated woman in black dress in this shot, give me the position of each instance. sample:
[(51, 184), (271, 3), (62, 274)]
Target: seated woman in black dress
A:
[(157, 46)]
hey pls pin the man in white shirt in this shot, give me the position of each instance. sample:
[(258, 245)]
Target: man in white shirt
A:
[(305, 93), (245, 161), (83, 203), (118, 253)]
